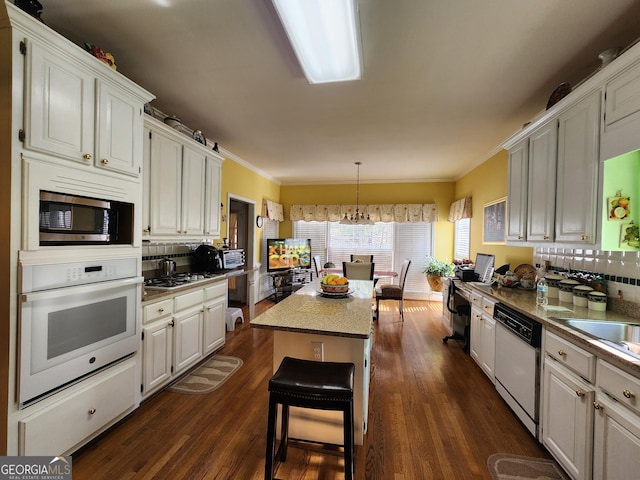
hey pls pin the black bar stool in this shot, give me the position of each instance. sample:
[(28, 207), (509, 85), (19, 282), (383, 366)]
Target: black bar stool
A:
[(309, 384)]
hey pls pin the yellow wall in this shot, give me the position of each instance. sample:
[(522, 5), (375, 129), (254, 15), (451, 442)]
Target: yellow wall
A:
[(440, 193), (243, 182), (486, 184)]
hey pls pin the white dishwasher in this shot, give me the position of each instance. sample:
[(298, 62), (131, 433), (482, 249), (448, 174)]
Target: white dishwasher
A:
[(517, 368)]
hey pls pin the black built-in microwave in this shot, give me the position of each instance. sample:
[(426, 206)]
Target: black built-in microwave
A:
[(76, 220)]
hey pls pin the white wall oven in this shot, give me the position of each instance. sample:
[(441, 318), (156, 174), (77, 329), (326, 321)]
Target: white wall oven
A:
[(75, 319)]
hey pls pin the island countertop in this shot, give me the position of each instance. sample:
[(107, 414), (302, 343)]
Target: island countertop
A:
[(307, 311)]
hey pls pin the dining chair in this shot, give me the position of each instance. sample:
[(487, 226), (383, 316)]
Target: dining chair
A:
[(362, 258), (317, 264), (358, 271), (393, 292)]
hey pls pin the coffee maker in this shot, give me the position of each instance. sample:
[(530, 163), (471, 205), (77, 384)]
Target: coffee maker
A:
[(207, 259)]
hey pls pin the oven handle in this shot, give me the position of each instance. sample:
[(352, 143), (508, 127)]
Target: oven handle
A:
[(79, 289)]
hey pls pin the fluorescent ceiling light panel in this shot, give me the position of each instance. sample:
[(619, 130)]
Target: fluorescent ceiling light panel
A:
[(325, 36)]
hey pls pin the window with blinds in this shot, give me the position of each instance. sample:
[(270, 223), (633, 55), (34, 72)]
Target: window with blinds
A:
[(389, 243), (461, 239)]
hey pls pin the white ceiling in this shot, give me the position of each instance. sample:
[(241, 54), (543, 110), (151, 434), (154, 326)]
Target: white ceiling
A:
[(445, 81)]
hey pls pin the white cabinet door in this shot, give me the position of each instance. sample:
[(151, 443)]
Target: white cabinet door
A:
[(567, 419), (212, 198), (623, 96), (166, 185), (119, 144), (146, 181), (193, 180), (475, 340), (542, 183), (187, 346), (488, 346), (616, 450), (59, 110), (518, 184), (213, 335), (157, 347), (577, 171)]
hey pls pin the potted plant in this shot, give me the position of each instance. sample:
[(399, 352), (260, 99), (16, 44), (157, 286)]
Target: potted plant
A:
[(435, 270)]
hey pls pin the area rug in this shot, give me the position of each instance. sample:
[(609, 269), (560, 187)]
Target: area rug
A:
[(208, 376), (516, 467)]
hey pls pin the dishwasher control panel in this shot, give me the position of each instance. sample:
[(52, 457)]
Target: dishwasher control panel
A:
[(526, 328)]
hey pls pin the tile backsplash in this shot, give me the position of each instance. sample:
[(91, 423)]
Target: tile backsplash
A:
[(620, 269), (153, 252)]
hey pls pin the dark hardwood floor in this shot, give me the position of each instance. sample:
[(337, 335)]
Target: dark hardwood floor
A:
[(432, 415)]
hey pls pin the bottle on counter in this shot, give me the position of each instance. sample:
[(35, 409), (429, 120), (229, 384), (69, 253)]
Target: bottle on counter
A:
[(542, 290)]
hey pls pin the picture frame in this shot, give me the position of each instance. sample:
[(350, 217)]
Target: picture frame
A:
[(494, 221)]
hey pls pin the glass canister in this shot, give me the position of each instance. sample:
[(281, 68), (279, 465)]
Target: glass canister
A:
[(566, 289), (597, 301), (580, 293), (553, 282)]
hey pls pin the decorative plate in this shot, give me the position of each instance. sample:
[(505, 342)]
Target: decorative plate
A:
[(558, 94), (199, 137), (525, 271), (336, 295)]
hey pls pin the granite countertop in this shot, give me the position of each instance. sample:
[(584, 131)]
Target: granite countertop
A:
[(524, 301), (307, 311), (150, 295)]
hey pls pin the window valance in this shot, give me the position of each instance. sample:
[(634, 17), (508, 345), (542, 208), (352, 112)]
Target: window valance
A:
[(273, 211), (460, 209), (402, 212)]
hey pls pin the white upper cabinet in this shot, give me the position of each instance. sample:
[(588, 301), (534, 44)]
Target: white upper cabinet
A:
[(74, 111), (578, 166), (119, 143), (516, 228), (59, 105), (542, 183), (181, 186)]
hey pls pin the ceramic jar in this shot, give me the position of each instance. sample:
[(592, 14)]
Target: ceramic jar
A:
[(597, 301), (565, 293), (580, 293), (553, 284)]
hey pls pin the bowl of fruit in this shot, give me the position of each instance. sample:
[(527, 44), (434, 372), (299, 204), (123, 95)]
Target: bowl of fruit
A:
[(333, 283)]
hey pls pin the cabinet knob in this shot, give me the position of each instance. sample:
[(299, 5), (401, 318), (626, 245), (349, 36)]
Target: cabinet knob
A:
[(520, 237), (146, 230), (161, 310), (580, 393), (627, 394), (92, 411), (104, 161), (171, 323), (208, 309), (597, 406), (544, 237), (585, 237), (87, 156), (562, 353)]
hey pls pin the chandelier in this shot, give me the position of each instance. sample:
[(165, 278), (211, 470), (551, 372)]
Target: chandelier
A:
[(357, 218)]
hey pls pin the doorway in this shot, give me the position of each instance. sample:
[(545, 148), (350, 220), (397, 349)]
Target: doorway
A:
[(241, 235)]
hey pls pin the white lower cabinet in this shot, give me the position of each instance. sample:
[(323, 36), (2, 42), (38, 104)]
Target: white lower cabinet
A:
[(567, 421), (590, 413), (62, 426), (483, 336), (181, 330), (617, 424)]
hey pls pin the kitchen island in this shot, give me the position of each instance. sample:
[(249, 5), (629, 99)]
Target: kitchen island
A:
[(310, 326)]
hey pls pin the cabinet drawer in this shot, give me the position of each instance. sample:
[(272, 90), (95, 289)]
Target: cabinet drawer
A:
[(571, 356), (157, 310), (214, 291), (57, 429), (475, 299), (487, 306), (188, 300), (623, 387)]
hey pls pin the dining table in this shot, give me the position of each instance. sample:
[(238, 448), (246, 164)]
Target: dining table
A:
[(377, 274)]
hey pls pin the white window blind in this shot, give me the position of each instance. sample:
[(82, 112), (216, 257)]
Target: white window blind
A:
[(461, 239), (389, 243)]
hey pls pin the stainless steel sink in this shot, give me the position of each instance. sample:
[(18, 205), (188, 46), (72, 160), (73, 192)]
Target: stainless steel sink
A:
[(616, 334)]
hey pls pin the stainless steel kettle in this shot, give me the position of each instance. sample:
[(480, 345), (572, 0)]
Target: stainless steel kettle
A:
[(167, 267)]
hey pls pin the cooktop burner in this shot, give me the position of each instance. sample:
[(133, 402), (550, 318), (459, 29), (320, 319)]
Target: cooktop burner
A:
[(179, 280)]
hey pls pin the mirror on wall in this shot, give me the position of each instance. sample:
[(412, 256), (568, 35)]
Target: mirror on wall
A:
[(621, 203)]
